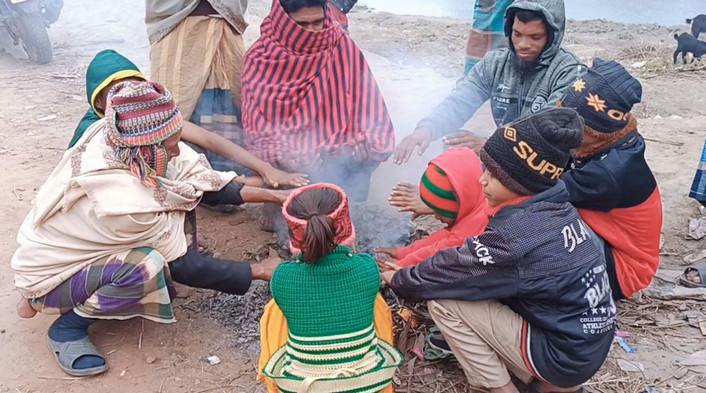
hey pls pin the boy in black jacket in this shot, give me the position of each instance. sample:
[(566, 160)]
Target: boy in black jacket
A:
[(530, 295)]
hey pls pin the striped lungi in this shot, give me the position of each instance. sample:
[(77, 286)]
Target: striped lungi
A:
[(128, 284)]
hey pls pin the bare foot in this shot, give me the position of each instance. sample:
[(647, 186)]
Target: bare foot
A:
[(24, 309), (406, 198), (693, 276)]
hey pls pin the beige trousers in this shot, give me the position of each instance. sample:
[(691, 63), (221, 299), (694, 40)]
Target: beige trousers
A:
[(485, 337)]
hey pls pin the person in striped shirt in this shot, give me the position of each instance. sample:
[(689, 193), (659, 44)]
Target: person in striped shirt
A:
[(310, 101)]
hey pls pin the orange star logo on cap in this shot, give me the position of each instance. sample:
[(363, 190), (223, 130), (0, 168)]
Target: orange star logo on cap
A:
[(579, 85), (596, 103)]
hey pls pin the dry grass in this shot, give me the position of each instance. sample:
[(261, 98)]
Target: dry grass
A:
[(657, 60)]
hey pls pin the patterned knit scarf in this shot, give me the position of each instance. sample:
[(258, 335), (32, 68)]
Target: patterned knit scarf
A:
[(308, 93), (140, 117), (602, 140), (341, 217)]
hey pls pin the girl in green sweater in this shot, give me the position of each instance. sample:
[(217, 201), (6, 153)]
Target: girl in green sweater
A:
[(328, 298)]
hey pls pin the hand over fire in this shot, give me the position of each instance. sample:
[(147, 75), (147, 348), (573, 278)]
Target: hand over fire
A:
[(465, 139), (388, 268), (405, 197)]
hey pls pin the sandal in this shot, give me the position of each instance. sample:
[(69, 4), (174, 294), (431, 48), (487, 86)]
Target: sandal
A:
[(67, 353), (436, 347), (700, 268)]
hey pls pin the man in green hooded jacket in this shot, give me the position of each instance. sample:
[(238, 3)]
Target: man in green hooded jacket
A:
[(109, 68)]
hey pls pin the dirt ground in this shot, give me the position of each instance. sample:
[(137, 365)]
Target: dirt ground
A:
[(416, 61)]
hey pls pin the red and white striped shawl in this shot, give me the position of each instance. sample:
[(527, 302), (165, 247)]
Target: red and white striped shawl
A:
[(310, 93)]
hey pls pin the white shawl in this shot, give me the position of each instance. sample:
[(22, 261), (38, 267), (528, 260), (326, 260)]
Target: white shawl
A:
[(91, 207)]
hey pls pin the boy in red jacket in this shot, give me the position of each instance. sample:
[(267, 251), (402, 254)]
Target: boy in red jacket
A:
[(610, 182), (451, 188)]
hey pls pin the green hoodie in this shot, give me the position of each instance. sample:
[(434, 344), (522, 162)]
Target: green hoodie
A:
[(106, 67), (515, 89)]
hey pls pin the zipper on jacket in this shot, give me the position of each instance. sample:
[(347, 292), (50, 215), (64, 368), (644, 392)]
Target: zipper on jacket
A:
[(520, 98)]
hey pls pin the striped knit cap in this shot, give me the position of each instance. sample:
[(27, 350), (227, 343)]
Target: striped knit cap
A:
[(437, 193), (140, 117)]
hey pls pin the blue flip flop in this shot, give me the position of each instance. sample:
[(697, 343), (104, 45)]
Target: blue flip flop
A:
[(67, 353)]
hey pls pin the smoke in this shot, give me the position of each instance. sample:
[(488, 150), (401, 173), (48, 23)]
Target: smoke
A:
[(379, 227), (375, 227), (88, 26)]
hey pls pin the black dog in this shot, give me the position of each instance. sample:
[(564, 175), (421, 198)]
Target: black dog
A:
[(698, 25), (686, 43)]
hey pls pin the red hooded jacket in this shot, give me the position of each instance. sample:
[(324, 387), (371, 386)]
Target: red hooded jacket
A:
[(464, 169)]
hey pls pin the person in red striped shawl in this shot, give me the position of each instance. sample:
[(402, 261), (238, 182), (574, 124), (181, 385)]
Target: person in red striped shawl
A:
[(310, 101)]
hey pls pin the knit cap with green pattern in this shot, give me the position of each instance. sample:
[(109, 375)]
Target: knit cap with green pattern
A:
[(436, 191)]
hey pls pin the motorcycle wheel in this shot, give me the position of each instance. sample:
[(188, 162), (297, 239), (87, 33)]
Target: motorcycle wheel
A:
[(35, 39)]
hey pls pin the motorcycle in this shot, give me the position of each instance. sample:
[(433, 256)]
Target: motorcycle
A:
[(27, 22)]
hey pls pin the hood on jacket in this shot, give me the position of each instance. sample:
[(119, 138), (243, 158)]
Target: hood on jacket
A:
[(464, 169), (106, 67), (554, 15)]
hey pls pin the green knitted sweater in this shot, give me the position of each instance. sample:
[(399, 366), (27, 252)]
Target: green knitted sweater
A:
[(332, 345), (333, 296)]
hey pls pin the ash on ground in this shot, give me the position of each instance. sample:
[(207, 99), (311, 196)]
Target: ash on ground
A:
[(241, 314)]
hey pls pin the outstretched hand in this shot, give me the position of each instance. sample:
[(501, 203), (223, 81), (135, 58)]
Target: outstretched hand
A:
[(391, 251), (465, 139), (421, 138), (388, 268), (276, 178), (405, 197), (297, 162), (360, 151), (265, 269)]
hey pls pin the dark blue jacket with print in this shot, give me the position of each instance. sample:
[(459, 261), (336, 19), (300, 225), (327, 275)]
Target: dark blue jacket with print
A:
[(543, 261)]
